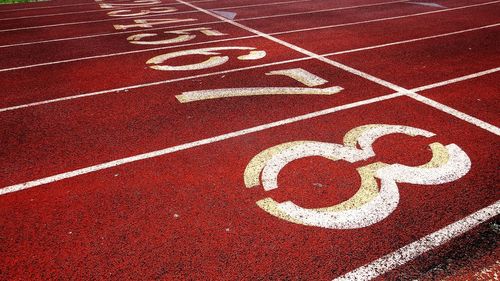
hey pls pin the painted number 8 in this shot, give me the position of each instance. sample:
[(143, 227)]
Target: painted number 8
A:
[(371, 203)]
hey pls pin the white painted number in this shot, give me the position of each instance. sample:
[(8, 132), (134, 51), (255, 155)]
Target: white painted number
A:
[(213, 61), (371, 203), (130, 13), (298, 74), (147, 23), (134, 3), (184, 35)]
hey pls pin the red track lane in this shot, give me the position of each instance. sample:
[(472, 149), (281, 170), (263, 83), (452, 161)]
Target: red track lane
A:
[(342, 16), (56, 81), (477, 97), (431, 61), (189, 216), (328, 40), (79, 133)]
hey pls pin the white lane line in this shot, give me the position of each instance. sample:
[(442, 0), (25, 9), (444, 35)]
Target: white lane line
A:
[(411, 251), (458, 114), (463, 116), (213, 22), (67, 98), (458, 79), (106, 165), (159, 5), (247, 37), (87, 4), (218, 22)]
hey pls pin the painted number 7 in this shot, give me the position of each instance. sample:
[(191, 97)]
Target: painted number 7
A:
[(298, 74)]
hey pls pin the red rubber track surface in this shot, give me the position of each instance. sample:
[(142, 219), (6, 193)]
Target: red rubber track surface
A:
[(75, 103)]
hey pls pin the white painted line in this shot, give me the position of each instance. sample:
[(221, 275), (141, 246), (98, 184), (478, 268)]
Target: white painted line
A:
[(458, 79), (159, 5), (411, 251), (213, 22), (465, 117), (253, 18), (11, 108), (458, 114), (157, 153)]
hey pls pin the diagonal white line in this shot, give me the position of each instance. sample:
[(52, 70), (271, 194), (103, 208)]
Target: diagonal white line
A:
[(425, 244)]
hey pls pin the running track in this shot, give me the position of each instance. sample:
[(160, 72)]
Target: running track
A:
[(149, 139)]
